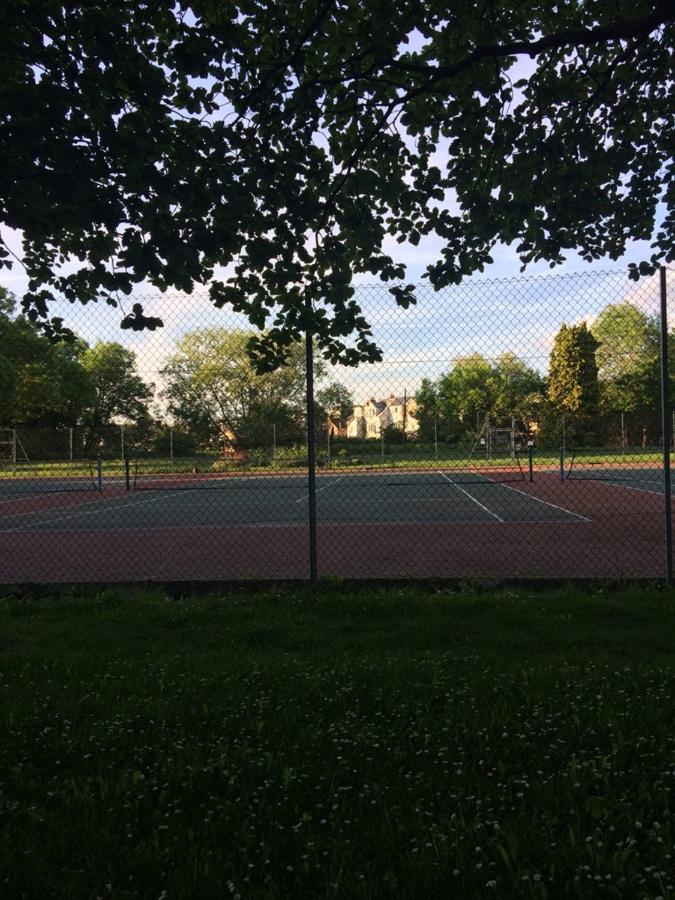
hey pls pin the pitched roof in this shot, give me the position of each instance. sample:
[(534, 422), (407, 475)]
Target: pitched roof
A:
[(378, 404)]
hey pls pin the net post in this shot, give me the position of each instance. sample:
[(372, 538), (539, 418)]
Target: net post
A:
[(14, 452), (665, 420), (561, 460), (171, 444), (311, 452), (530, 451), (99, 474), (127, 477)]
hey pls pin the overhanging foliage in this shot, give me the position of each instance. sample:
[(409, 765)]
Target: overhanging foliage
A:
[(291, 144)]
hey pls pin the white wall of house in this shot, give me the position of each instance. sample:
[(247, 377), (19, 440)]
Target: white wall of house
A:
[(356, 427), (370, 418)]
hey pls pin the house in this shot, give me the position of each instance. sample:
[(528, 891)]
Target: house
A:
[(334, 427), (369, 419)]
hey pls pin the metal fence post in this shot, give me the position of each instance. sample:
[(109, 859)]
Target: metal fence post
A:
[(311, 458), (665, 419)]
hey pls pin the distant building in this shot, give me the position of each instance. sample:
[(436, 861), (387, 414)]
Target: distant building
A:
[(335, 427), (370, 418)]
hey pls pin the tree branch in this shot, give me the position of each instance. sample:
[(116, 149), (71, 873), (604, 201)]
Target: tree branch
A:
[(662, 14)]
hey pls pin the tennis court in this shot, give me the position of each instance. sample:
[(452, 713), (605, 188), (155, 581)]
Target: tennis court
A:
[(228, 501), (381, 524), (640, 478)]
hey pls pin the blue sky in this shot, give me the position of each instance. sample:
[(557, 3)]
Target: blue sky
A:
[(483, 315), (498, 311), (490, 314)]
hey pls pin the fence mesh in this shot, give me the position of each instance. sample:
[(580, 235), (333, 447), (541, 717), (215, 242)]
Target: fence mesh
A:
[(512, 429)]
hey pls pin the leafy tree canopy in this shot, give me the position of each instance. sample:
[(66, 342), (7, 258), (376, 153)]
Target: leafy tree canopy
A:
[(41, 383), (519, 390), (211, 385), (428, 409), (470, 387), (7, 302), (504, 388), (572, 384), (335, 400), (627, 337), (627, 357), (162, 140), (118, 389)]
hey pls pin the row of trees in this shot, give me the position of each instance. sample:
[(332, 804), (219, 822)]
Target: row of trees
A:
[(603, 384), (64, 384), (213, 392)]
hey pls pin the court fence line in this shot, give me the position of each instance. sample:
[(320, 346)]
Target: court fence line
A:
[(665, 426), (526, 436)]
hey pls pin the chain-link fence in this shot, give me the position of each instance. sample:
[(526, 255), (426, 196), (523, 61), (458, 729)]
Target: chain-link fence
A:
[(514, 428)]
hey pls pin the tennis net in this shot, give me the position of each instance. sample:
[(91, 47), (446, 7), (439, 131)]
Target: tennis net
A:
[(205, 474), (618, 465), (19, 478)]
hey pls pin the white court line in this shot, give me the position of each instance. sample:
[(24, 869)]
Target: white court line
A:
[(96, 497), (221, 479), (510, 487), (628, 487), (22, 495), (324, 488), (471, 497), (27, 496), (36, 512), (75, 515)]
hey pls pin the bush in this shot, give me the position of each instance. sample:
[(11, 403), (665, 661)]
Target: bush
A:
[(226, 465), (293, 456), (258, 457), (392, 434)]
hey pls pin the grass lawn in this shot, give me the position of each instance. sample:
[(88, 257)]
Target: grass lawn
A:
[(347, 743)]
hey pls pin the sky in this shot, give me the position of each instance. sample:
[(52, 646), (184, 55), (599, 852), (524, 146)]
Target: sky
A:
[(496, 312), (493, 312)]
